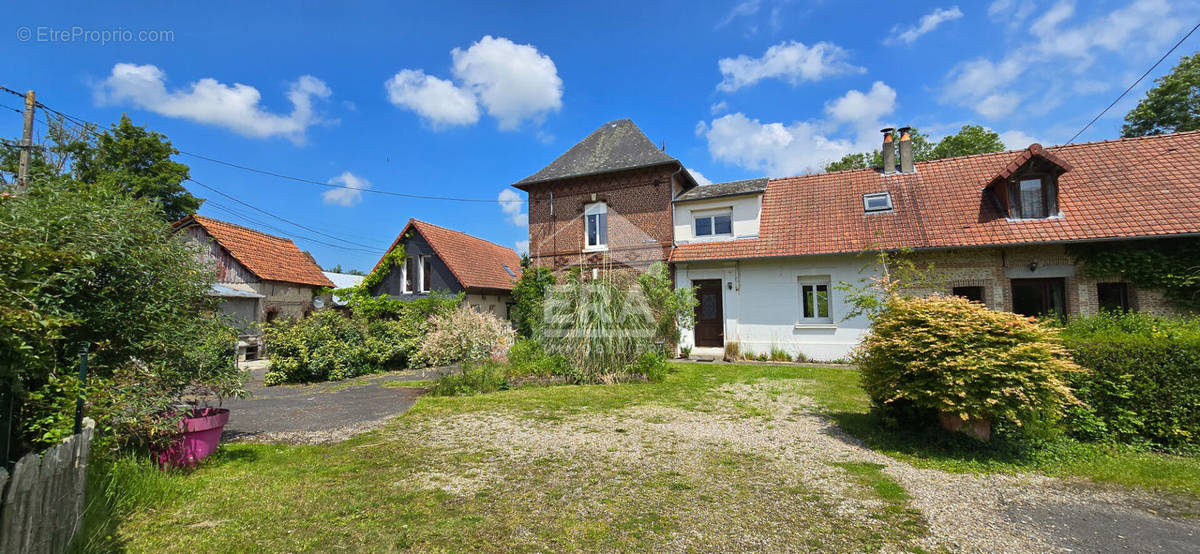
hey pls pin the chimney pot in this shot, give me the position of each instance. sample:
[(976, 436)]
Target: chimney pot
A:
[(906, 151), (889, 151)]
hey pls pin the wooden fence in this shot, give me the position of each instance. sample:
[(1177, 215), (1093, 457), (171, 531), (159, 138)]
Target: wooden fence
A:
[(43, 505)]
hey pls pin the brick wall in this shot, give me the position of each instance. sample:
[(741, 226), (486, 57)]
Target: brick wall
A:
[(640, 229), (993, 269)]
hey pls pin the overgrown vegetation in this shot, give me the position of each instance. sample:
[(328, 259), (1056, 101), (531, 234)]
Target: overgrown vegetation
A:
[(1171, 265), (91, 263), (529, 294), (1144, 383), (599, 326), (464, 336)]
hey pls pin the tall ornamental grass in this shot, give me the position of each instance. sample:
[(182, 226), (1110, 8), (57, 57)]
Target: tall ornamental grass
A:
[(601, 327)]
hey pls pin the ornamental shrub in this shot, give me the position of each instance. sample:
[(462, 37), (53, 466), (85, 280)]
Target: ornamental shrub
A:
[(331, 346), (947, 355), (527, 357), (464, 336), (1144, 384)]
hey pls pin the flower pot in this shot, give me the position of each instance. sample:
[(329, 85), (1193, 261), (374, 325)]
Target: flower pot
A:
[(200, 433), (980, 429)]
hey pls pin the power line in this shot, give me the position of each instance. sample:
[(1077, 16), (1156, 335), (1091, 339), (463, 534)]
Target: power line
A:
[(283, 219), (283, 232), (84, 123), (1135, 83)]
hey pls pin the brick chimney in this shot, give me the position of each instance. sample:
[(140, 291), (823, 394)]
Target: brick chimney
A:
[(889, 151), (906, 153)]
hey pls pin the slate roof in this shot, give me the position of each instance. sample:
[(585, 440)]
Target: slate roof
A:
[(1135, 187), (719, 190), (615, 146), (476, 263), (268, 257)]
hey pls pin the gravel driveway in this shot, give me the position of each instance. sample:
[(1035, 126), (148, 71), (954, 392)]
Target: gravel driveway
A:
[(320, 413)]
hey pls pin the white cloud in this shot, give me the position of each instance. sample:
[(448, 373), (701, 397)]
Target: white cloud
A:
[(514, 82), (719, 107), (1057, 51), (1016, 140), (782, 149), (512, 204), (742, 9), (1013, 12), (437, 100), (927, 23), (235, 107), (699, 177), (789, 61), (522, 247), (349, 196)]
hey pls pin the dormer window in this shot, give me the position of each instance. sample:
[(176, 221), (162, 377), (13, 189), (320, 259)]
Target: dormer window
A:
[(877, 202), (713, 224), (1032, 197)]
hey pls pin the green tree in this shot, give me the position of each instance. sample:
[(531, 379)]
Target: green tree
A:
[(89, 263), (126, 156), (1172, 106), (971, 139)]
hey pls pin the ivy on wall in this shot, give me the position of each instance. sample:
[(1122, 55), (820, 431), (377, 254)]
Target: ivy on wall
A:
[(1170, 265)]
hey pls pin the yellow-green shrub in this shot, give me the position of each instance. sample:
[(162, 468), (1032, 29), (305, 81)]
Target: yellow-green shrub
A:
[(951, 356)]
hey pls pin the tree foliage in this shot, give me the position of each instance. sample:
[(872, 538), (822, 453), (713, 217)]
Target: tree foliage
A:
[(674, 309), (1172, 106), (90, 263), (971, 139), (125, 157)]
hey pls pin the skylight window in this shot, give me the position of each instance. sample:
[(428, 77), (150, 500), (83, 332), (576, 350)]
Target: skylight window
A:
[(877, 202), (509, 270)]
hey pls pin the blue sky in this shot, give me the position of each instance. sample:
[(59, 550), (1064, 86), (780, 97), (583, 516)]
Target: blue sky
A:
[(427, 99)]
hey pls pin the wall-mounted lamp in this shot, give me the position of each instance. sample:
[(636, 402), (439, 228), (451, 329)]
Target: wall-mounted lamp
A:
[(1032, 266)]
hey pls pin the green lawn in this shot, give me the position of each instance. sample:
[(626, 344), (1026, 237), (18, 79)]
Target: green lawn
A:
[(617, 467)]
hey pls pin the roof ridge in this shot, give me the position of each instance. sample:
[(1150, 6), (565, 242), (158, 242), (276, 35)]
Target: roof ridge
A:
[(243, 227), (415, 220)]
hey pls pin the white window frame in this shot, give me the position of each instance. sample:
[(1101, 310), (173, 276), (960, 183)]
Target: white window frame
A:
[(887, 196), (404, 288), (423, 276), (814, 281), (595, 208), (711, 215)]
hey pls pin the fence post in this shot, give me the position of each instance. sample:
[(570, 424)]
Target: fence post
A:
[(83, 370)]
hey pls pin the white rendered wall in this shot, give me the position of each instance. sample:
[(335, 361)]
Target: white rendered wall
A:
[(745, 216), (761, 303)]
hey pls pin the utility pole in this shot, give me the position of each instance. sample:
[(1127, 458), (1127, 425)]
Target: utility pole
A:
[(26, 144)]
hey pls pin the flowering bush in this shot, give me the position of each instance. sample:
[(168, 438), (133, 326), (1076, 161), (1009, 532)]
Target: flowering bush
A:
[(467, 336), (954, 357)]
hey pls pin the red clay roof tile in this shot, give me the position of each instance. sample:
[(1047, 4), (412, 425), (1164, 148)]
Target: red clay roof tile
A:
[(1137, 187), (268, 257), (475, 262)]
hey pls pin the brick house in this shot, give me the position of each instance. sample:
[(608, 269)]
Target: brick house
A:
[(605, 202), (260, 277), (444, 260), (766, 255)]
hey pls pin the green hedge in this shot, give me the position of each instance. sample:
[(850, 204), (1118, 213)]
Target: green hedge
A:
[(330, 346), (1144, 383)]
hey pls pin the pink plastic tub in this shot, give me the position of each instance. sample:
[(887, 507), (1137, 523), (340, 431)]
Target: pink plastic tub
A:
[(201, 433)]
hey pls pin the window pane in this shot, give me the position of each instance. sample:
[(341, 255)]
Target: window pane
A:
[(806, 293), (591, 230), (410, 273), (703, 226), (1031, 198), (1113, 297), (822, 300), (974, 294), (877, 202), (426, 273), (603, 218), (722, 225)]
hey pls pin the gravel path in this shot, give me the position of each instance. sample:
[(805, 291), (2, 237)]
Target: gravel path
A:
[(963, 512)]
